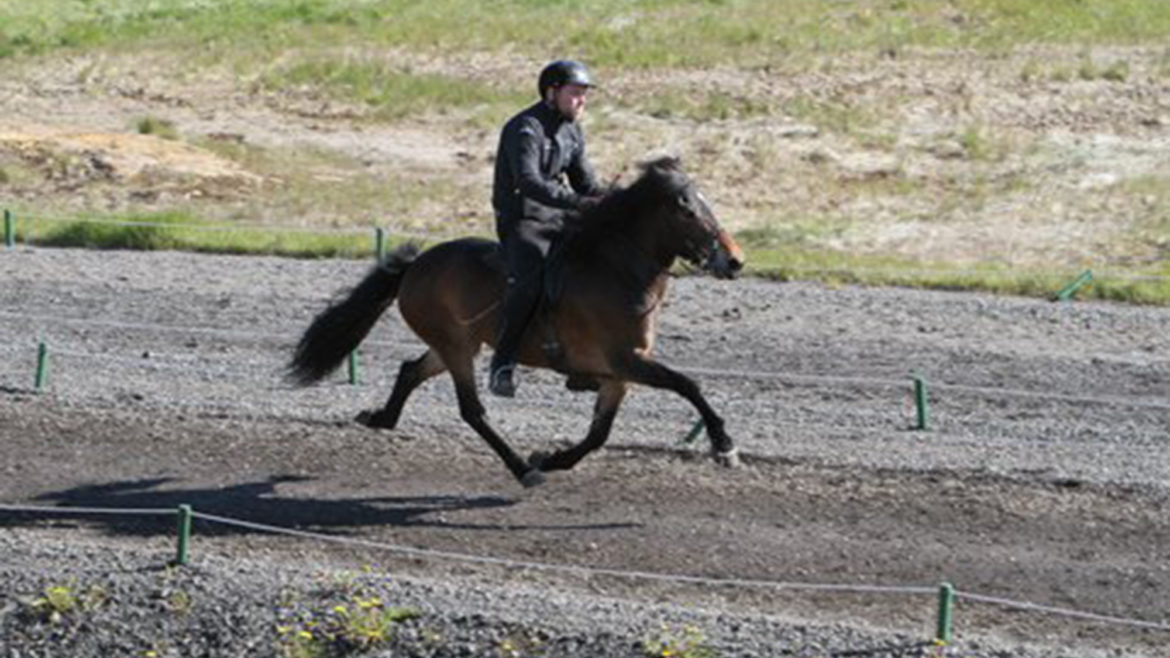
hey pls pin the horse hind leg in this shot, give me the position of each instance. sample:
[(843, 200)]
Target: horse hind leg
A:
[(474, 414), (411, 374)]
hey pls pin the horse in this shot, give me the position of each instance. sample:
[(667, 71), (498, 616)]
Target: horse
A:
[(611, 270)]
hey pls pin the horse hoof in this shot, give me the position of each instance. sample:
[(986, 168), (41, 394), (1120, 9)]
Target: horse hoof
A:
[(538, 459), (372, 419), (729, 459), (533, 478)]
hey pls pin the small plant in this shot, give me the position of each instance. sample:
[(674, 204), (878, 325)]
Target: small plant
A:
[(57, 601), (687, 642), (1117, 71), (157, 127), (179, 602), (361, 624), (60, 601)]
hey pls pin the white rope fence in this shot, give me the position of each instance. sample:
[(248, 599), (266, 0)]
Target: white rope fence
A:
[(186, 513), (758, 375)]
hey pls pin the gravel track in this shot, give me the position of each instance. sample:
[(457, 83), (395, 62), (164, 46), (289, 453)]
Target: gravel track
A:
[(1043, 477)]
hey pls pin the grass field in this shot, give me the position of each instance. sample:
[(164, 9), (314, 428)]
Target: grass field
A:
[(649, 33), (937, 184)]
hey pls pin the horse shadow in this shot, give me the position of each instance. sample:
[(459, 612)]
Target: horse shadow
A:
[(258, 502)]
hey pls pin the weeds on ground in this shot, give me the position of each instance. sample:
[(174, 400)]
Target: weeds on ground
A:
[(360, 622), (58, 602), (675, 642), (163, 128)]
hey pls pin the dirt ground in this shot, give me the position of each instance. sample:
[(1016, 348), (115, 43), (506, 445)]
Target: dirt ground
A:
[(1034, 158), (165, 390)]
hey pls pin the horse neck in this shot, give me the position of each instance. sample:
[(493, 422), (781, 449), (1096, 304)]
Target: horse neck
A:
[(639, 250)]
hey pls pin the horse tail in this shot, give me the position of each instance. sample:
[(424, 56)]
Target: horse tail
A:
[(340, 328)]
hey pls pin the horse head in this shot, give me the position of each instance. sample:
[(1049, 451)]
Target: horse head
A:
[(695, 233)]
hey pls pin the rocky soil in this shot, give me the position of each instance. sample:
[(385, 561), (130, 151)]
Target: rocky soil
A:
[(1039, 158), (1042, 477)]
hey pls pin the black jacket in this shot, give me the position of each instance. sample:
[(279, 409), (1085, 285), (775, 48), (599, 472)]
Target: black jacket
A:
[(538, 151)]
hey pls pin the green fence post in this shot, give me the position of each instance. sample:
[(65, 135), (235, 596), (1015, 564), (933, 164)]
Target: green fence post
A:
[(946, 608), (183, 554), (920, 404), (379, 244), (9, 229), (693, 433), (42, 377), (1072, 288), (355, 369)]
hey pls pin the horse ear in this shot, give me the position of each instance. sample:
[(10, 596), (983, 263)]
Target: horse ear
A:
[(669, 163), (666, 163)]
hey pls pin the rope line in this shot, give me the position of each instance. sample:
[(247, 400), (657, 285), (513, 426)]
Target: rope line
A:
[(807, 379), (109, 511), (177, 363), (595, 571), (842, 380), (1066, 612), (214, 331), (567, 568), (1062, 397)]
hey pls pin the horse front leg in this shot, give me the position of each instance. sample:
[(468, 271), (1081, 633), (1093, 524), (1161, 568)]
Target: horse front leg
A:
[(474, 414), (609, 398), (643, 370), (411, 374)]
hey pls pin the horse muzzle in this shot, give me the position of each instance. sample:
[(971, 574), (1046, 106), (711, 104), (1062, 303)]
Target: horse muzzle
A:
[(725, 260)]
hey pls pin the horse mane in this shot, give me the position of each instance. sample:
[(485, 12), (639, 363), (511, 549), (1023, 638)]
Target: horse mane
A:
[(621, 209)]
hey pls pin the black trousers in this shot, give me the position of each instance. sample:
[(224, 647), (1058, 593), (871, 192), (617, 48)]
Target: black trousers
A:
[(525, 244)]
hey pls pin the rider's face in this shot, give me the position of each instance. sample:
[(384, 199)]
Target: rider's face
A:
[(570, 100)]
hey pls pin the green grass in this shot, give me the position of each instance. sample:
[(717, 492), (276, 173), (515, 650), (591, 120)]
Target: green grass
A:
[(334, 189), (698, 106), (781, 254), (390, 92), (182, 232), (805, 263), (608, 32)]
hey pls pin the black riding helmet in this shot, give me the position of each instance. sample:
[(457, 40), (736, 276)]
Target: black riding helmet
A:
[(563, 72)]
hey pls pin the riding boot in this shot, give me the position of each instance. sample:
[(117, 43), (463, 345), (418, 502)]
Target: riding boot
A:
[(519, 303)]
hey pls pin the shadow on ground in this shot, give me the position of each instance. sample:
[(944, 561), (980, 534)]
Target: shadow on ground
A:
[(259, 502)]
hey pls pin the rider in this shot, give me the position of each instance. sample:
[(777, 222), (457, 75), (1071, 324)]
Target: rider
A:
[(539, 149)]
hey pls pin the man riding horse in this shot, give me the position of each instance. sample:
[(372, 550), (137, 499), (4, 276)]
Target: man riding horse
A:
[(541, 174)]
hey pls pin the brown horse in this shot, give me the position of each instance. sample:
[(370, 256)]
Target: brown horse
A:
[(611, 272)]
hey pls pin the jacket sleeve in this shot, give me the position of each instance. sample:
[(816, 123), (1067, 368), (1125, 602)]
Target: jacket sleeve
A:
[(524, 161), (581, 175)]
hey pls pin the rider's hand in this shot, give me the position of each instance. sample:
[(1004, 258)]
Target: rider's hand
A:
[(588, 202)]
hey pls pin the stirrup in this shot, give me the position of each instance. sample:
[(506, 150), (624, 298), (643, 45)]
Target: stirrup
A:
[(500, 382)]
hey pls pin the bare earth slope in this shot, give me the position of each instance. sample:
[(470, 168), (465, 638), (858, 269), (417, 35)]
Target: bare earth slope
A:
[(1043, 477)]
